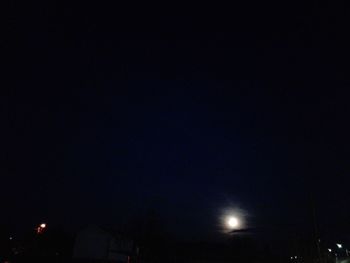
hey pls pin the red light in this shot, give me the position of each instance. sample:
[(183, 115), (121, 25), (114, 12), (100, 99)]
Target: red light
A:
[(40, 228)]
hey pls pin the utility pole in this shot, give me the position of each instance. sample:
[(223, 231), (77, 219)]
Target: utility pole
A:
[(316, 230)]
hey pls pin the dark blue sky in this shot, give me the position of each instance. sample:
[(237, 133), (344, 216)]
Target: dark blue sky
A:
[(188, 114)]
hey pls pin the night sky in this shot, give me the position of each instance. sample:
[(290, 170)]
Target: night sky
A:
[(112, 111)]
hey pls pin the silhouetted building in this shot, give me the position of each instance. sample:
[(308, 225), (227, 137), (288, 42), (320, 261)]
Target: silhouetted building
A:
[(95, 244)]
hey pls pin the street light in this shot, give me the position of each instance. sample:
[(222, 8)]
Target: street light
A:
[(40, 228), (339, 245), (329, 250)]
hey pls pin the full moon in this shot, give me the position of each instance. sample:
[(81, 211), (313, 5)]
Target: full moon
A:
[(232, 222), (232, 219)]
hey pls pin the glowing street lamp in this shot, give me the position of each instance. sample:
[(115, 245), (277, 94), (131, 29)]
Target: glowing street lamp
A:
[(339, 245), (40, 228), (329, 250)]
